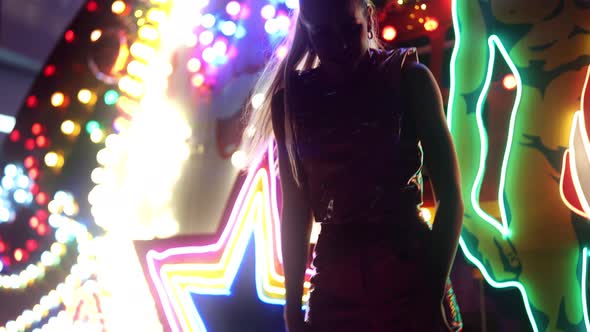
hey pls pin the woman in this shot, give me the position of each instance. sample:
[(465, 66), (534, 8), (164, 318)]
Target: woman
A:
[(351, 122)]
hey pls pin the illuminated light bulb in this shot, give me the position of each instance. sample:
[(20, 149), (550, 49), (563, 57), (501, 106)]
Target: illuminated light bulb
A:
[(54, 160), (138, 13), (389, 33), (268, 12), (11, 170), (20, 196), (34, 222), (33, 174), (18, 254), (207, 21), (23, 182), (191, 40), (509, 82), (70, 128), (292, 4), (271, 26), (58, 99), (48, 259), (118, 7), (142, 51), (193, 65), (141, 22), (233, 8), (29, 162), (30, 144), (70, 36), (282, 51), (220, 48), (4, 215), (120, 124), (209, 55), (136, 68), (283, 22), (49, 70), (228, 28), (36, 129), (104, 157), (95, 35), (131, 86), (239, 159), (97, 136), (42, 141), (197, 80), (57, 249), (430, 24), (91, 6), (206, 37), (148, 32), (156, 15), (257, 100), (98, 175), (31, 245), (85, 96), (420, 20), (111, 97), (240, 32), (14, 135), (423, 6), (32, 101), (91, 126)]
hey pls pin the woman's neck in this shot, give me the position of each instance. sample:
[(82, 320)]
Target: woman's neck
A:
[(337, 75)]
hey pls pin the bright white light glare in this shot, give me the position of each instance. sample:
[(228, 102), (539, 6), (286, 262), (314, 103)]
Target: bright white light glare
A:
[(23, 182), (207, 21), (21, 196), (11, 170), (239, 159), (7, 183), (7, 123), (228, 28), (267, 12), (4, 214), (220, 48), (206, 37), (426, 215), (292, 4), (209, 55), (257, 100), (272, 26), (233, 8), (202, 3), (284, 23)]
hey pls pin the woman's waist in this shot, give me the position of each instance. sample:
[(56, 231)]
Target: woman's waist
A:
[(398, 227)]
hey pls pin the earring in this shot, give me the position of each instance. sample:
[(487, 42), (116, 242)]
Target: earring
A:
[(370, 34)]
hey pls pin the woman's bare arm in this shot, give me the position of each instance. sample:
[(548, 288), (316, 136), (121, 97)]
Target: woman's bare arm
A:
[(424, 101), (296, 220)]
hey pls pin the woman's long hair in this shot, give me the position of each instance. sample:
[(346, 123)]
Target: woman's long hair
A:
[(300, 56)]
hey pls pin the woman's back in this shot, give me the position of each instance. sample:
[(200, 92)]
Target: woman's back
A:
[(358, 149)]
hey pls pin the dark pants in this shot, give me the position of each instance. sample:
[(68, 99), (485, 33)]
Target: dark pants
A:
[(373, 278)]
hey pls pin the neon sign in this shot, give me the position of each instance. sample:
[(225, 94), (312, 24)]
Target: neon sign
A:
[(526, 237), (211, 268)]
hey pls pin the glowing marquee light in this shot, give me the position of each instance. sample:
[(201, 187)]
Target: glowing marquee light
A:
[(255, 212)]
